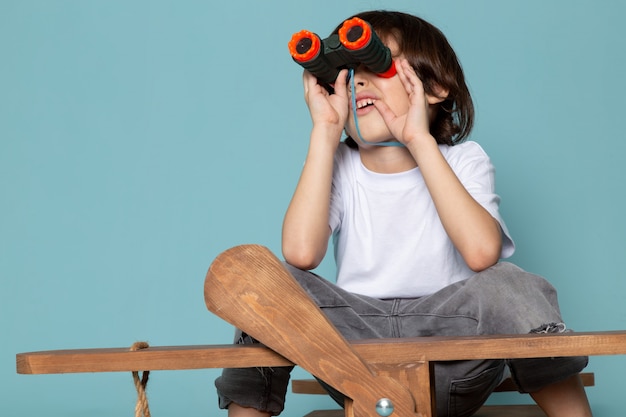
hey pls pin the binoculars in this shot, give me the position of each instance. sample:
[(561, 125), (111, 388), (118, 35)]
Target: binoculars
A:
[(355, 44)]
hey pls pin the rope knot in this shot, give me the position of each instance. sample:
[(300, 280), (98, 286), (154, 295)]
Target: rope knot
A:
[(142, 408)]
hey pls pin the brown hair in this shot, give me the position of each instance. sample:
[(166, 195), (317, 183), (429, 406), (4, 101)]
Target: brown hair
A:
[(435, 63)]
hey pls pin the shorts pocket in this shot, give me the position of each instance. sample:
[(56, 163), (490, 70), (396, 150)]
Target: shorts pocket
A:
[(467, 395)]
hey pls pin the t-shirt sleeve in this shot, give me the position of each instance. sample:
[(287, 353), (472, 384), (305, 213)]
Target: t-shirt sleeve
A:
[(474, 169)]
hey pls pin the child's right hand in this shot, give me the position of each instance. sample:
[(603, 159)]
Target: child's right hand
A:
[(329, 111)]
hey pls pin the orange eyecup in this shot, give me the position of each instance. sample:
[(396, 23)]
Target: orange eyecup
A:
[(304, 46), (355, 33), (390, 72)]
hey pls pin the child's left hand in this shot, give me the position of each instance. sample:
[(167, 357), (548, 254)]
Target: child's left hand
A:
[(415, 123)]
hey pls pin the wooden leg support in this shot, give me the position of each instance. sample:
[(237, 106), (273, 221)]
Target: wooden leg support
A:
[(418, 378), (251, 289)]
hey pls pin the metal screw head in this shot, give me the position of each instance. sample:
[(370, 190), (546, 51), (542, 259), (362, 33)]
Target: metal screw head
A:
[(384, 407)]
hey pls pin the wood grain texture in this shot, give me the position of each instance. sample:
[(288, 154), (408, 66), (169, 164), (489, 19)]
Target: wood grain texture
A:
[(383, 351), (251, 289), (154, 358)]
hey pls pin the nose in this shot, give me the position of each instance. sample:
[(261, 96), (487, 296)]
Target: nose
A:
[(362, 75)]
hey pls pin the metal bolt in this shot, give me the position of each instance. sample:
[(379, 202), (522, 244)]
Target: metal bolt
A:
[(384, 407)]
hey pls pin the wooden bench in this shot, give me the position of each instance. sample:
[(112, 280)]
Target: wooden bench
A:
[(274, 309), (163, 358)]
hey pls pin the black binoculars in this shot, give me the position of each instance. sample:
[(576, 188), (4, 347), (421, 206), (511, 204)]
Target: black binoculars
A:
[(355, 44)]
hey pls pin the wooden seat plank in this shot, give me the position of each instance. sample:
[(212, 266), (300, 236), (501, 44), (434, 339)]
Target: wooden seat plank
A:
[(152, 358), (378, 351), (445, 348)]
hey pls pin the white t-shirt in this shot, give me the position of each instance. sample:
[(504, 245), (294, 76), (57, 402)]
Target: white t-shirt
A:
[(389, 241)]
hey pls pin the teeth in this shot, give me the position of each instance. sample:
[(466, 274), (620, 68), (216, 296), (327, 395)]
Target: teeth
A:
[(365, 102)]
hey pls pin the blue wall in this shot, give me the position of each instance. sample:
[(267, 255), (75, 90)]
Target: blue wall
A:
[(139, 139)]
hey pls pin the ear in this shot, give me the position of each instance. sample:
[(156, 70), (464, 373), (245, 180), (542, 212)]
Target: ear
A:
[(440, 94)]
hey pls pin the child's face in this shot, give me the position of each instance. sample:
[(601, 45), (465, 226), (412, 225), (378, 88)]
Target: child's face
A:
[(370, 87)]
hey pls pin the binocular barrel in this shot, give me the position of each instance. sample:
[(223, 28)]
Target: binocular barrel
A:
[(355, 44)]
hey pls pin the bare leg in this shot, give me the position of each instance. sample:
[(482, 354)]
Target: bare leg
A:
[(564, 399), (235, 410)]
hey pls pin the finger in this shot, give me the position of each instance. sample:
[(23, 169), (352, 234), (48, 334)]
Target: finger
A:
[(308, 78), (312, 85), (409, 78), (306, 81), (340, 84), (405, 76)]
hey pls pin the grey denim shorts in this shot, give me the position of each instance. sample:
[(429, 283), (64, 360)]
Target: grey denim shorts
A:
[(503, 299)]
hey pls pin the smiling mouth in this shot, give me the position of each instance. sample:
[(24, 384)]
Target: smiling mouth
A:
[(361, 104)]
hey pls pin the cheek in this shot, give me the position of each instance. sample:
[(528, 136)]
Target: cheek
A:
[(402, 105), (398, 98)]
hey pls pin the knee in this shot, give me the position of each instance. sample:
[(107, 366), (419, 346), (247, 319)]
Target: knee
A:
[(511, 300), (510, 281)]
